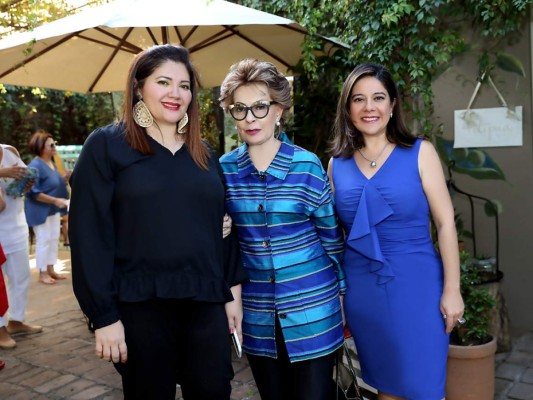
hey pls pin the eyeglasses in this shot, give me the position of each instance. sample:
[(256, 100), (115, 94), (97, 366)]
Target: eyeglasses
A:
[(259, 110)]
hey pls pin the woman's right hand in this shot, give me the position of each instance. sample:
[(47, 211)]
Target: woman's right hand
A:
[(226, 226), (111, 343), (60, 202)]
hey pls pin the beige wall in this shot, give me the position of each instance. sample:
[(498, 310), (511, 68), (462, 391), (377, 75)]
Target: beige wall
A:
[(453, 91)]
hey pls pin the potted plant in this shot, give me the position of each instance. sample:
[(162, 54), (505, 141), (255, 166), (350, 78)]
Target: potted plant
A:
[(471, 356), (462, 232), (486, 266)]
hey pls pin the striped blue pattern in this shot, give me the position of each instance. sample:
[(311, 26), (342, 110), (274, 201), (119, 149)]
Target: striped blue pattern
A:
[(291, 248)]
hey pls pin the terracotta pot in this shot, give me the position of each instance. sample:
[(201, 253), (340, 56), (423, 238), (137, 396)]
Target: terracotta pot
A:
[(470, 372)]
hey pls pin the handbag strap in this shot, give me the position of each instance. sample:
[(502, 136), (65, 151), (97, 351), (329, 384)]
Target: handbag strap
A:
[(337, 376), (352, 369)]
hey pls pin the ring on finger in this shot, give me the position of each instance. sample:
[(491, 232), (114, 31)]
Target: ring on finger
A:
[(461, 321)]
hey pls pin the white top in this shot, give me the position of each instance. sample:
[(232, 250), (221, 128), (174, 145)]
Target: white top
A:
[(13, 226)]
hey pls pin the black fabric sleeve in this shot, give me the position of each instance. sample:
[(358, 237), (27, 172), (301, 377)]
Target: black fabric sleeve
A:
[(234, 272), (91, 231)]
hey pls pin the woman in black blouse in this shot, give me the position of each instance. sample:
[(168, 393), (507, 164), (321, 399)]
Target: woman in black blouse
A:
[(149, 265)]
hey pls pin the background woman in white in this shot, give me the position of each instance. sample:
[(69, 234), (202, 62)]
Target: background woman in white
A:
[(14, 239)]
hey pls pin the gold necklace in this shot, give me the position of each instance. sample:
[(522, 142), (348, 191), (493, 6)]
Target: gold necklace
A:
[(374, 162)]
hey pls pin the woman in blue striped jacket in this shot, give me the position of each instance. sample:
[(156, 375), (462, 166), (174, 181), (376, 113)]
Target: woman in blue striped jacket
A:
[(280, 200)]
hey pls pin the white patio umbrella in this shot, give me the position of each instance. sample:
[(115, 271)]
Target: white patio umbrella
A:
[(91, 51)]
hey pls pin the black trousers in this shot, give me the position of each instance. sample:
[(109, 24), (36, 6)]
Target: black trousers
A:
[(279, 379), (176, 341)]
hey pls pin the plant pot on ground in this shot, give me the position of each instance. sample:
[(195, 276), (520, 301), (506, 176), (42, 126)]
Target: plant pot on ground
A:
[(487, 268), (471, 359)]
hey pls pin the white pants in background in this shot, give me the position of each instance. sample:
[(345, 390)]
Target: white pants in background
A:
[(47, 241), (17, 270)]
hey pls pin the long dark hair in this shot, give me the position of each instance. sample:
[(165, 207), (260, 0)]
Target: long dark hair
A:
[(347, 138), (143, 65)]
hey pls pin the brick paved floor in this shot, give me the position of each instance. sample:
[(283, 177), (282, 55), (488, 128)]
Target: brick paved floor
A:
[(59, 363), (514, 370)]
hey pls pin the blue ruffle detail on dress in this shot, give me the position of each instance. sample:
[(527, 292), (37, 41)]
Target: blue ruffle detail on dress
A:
[(363, 236)]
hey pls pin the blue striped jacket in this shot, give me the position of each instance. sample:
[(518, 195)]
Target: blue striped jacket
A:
[(291, 247)]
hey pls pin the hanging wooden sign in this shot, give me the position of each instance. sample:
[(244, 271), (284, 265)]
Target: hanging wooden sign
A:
[(488, 127)]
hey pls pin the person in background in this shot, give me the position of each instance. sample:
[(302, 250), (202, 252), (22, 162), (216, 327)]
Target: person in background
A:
[(14, 239), (43, 204), (64, 226), (150, 267), (3, 294), (403, 299), (279, 197), (65, 173), (2, 202)]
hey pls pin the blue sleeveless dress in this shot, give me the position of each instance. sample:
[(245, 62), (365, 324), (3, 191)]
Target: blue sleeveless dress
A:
[(394, 276)]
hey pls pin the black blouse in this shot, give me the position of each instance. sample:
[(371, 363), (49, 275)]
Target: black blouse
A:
[(146, 226)]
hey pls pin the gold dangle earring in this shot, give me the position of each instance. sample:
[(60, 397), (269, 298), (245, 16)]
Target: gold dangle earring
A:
[(142, 115), (183, 122)]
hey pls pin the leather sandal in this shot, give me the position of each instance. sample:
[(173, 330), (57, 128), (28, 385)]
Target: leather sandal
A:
[(6, 341), (57, 277), (47, 281), (20, 328)]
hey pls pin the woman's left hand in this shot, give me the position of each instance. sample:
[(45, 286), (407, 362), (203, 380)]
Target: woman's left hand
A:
[(452, 308), (226, 226), (234, 312), (29, 185), (341, 298)]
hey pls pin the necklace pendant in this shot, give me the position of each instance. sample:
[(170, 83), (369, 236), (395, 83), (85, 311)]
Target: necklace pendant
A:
[(373, 164)]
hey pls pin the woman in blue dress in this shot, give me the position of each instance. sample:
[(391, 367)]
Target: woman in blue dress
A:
[(403, 298)]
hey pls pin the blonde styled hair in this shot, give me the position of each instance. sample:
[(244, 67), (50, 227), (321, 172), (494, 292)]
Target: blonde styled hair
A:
[(250, 71)]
